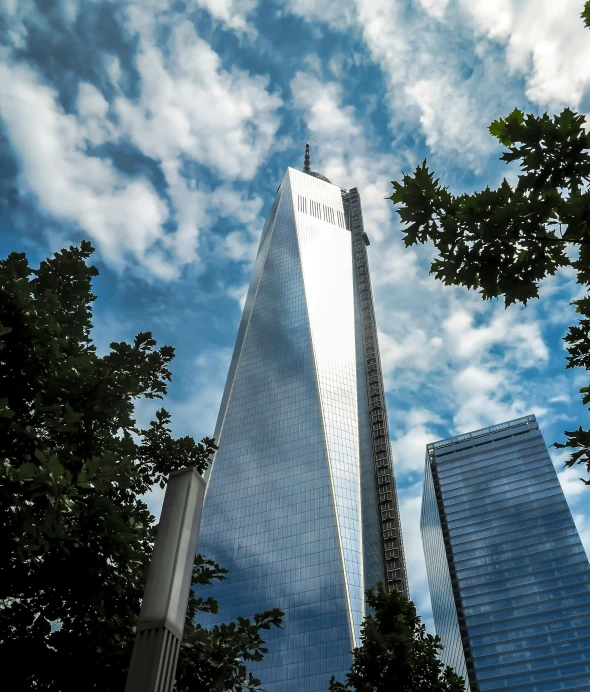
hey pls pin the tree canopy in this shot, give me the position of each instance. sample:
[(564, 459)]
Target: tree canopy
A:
[(505, 241), (396, 652), (75, 536)]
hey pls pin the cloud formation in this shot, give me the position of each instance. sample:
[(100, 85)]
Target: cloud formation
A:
[(188, 110), (545, 41), (189, 105), (68, 181)]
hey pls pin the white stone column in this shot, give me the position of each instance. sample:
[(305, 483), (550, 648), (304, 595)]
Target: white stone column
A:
[(163, 611)]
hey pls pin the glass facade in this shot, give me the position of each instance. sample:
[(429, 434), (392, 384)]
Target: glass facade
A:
[(509, 579), (287, 491)]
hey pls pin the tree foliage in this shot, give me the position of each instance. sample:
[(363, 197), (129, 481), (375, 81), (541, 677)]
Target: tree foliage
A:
[(503, 242), (75, 537), (396, 653)]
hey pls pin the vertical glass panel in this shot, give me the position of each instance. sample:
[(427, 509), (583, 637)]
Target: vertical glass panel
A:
[(439, 581), (521, 572), (326, 258), (269, 514)]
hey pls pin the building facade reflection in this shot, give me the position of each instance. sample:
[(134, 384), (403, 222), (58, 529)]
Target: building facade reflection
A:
[(301, 505), (509, 579)]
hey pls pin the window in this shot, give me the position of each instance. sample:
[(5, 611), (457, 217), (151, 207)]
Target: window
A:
[(302, 204)]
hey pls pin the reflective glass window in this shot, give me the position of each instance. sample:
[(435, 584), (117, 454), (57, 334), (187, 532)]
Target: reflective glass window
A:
[(520, 578), (283, 506)]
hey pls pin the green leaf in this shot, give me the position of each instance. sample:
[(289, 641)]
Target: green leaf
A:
[(28, 472), (504, 129), (5, 410)]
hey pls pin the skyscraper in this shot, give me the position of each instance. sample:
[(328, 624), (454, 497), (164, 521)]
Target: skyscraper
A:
[(509, 578), (301, 504)]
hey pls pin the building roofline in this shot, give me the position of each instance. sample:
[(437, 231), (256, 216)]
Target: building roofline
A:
[(481, 432)]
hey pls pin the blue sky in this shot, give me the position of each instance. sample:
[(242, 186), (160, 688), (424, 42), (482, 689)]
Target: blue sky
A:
[(160, 131)]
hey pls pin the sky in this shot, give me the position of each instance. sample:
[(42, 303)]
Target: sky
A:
[(160, 130)]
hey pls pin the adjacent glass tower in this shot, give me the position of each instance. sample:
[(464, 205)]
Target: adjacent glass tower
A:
[(301, 505), (509, 578)]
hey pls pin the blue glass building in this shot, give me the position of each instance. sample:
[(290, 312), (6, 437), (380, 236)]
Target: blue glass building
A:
[(509, 579), (301, 505)]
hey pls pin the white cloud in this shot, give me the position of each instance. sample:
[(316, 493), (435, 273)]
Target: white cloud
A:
[(495, 19), (451, 120), (410, 508), (560, 399), (418, 416), (232, 13), (92, 105), (340, 63), (230, 203), (112, 66), (240, 246), (190, 206), (394, 266), (583, 525), (435, 8), (68, 182), (322, 104), (573, 487), (421, 56), (545, 41), (485, 396), (197, 414), (415, 349), (409, 450), (18, 15), (422, 69), (239, 293), (189, 109), (513, 329), (339, 14), (190, 106)]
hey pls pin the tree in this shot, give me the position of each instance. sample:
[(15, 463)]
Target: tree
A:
[(396, 653), (503, 242), (75, 537)]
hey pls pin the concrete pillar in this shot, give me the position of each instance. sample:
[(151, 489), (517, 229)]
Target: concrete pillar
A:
[(163, 610)]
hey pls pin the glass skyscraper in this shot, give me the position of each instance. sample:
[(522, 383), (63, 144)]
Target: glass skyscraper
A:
[(509, 578), (301, 504)]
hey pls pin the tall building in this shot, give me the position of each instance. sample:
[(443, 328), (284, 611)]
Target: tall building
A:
[(509, 578), (301, 503)]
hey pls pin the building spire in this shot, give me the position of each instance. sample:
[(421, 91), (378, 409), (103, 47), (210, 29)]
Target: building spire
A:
[(306, 167)]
